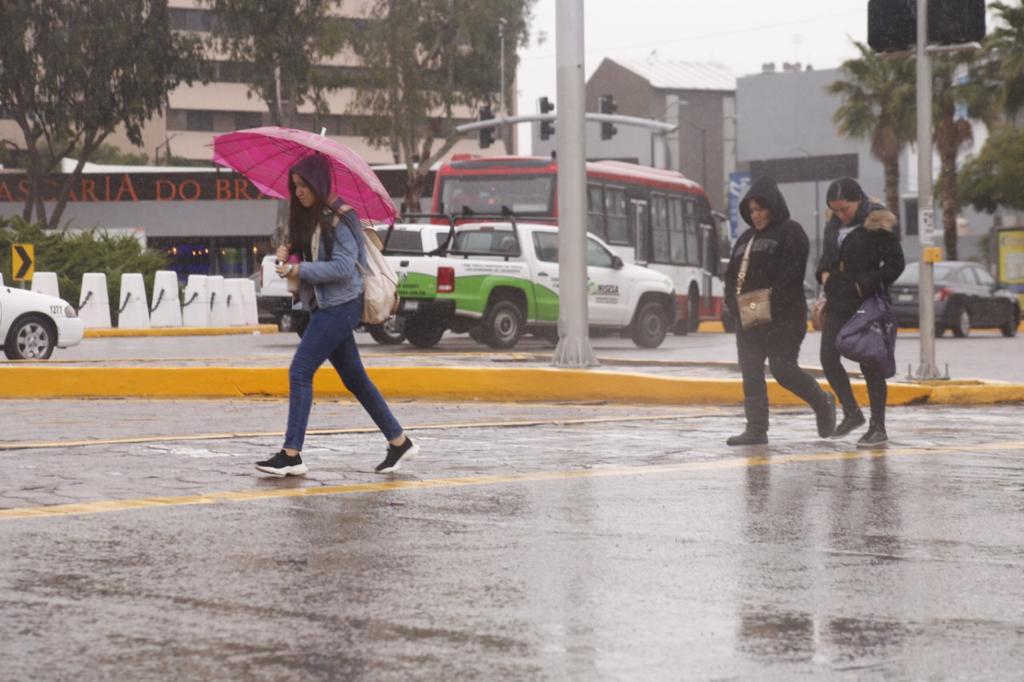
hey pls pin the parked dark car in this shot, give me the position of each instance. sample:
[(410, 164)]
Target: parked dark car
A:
[(966, 297)]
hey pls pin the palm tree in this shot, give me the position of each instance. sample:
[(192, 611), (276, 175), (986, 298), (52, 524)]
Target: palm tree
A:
[(1005, 46), (878, 103)]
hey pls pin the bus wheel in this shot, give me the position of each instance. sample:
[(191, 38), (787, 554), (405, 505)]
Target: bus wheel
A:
[(423, 334), (503, 325), (649, 325)]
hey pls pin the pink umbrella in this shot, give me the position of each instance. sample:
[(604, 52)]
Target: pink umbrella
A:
[(265, 155)]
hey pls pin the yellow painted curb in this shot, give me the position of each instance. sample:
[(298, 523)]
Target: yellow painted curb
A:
[(183, 331), (425, 383)]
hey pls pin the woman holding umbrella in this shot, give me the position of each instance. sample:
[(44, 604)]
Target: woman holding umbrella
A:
[(327, 237)]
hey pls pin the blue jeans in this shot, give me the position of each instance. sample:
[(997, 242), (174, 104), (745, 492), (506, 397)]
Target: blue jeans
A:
[(328, 336)]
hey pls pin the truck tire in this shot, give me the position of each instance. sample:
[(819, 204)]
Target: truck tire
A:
[(389, 333), (423, 334), (649, 325), (502, 325)]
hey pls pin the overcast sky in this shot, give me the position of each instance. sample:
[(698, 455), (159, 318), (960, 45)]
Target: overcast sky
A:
[(741, 34)]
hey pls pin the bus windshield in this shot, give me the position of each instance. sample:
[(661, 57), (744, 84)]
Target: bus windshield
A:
[(522, 194)]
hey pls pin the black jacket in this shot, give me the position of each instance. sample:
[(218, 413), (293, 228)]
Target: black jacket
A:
[(867, 262), (778, 258)]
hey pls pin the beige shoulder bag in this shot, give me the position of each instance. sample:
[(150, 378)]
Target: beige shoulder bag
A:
[(755, 306)]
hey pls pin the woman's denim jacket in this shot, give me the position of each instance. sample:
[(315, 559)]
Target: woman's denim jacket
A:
[(337, 280)]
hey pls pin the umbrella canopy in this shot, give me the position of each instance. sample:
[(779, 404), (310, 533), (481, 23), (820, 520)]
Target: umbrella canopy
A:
[(265, 155)]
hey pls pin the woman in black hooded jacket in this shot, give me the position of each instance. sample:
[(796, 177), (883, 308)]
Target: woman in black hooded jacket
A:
[(862, 256), (778, 260)]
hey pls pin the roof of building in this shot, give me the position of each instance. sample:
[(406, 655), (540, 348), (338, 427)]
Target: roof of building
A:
[(681, 75)]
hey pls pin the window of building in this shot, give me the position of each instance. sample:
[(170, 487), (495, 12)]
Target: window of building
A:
[(182, 19), (248, 119), (198, 120)]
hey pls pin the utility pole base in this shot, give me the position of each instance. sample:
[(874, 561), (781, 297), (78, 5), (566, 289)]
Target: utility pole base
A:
[(927, 372), (574, 352)]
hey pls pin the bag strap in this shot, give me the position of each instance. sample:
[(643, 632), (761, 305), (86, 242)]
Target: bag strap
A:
[(741, 276)]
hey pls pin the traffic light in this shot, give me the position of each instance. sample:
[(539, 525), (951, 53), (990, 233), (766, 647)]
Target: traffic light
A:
[(608, 106), (892, 24), (486, 134), (547, 128)]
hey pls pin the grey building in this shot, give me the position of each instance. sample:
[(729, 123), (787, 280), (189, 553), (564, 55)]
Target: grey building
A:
[(697, 98), (786, 131)]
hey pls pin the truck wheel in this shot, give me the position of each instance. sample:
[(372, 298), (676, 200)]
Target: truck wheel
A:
[(503, 325), (423, 334), (389, 333), (649, 325), (30, 338)]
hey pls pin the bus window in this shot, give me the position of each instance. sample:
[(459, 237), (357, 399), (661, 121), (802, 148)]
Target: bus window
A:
[(523, 194), (691, 232), (676, 237), (615, 215), (595, 210), (660, 251)]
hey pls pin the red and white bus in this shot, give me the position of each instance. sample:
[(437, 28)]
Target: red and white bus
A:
[(653, 217)]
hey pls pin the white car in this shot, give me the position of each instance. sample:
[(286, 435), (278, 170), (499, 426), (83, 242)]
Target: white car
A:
[(32, 324)]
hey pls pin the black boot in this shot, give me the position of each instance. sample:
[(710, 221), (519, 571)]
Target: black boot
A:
[(826, 415), (748, 437), (875, 437), (851, 421)]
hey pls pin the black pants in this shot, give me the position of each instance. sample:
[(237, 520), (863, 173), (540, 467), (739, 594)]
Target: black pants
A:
[(779, 343), (840, 380)]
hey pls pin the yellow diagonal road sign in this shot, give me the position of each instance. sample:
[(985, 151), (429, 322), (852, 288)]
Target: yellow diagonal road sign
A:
[(23, 262)]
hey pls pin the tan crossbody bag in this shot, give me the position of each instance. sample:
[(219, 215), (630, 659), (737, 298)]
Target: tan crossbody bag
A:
[(755, 307)]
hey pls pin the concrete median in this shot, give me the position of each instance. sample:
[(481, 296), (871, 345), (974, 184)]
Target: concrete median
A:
[(449, 383)]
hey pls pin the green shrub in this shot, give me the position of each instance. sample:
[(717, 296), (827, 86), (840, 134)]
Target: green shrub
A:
[(71, 255)]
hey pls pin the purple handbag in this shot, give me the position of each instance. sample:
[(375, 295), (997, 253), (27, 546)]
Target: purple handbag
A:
[(869, 337)]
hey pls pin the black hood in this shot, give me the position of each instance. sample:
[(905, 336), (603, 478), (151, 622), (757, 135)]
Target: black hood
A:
[(766, 190)]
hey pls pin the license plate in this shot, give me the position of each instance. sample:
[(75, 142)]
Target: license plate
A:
[(905, 298), (410, 305)]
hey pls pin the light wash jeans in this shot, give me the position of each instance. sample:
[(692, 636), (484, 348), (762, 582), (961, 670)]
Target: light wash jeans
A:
[(328, 336)]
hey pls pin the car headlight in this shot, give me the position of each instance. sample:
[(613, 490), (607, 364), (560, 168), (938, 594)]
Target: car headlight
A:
[(69, 311)]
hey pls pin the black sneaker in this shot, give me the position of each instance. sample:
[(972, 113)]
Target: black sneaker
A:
[(851, 421), (748, 437), (396, 455), (827, 416), (283, 465), (874, 438)]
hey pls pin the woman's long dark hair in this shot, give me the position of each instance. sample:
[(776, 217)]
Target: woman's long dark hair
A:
[(302, 222)]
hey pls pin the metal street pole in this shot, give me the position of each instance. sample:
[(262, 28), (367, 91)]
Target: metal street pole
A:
[(573, 348), (925, 210)]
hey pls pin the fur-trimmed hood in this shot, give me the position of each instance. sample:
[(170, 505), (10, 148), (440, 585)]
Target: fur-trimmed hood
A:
[(880, 218)]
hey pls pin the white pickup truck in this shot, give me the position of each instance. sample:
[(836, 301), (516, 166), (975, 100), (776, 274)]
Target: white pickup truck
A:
[(499, 280)]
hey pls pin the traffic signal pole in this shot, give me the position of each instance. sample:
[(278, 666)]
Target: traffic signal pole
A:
[(925, 209), (574, 349)]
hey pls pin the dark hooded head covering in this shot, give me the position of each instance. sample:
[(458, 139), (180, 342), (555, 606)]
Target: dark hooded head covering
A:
[(316, 171), (766, 191)]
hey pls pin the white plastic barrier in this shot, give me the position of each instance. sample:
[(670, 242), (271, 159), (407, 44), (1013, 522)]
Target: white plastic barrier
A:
[(236, 310), (45, 283), (166, 309), (218, 301), (94, 303), (195, 309), (133, 308), (249, 309)]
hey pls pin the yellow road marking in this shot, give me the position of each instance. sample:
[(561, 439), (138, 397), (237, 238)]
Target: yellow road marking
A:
[(101, 506), (134, 440)]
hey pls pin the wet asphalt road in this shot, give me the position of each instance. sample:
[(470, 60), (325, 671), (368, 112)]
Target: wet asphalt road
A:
[(580, 542)]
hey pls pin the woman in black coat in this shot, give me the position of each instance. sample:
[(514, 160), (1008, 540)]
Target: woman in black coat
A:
[(778, 260), (862, 256)]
